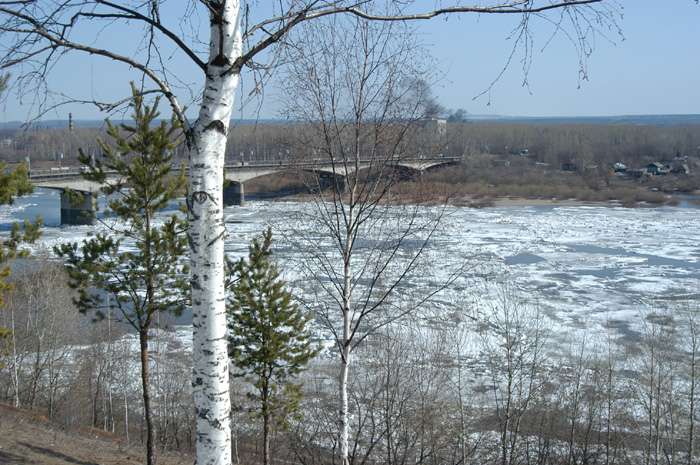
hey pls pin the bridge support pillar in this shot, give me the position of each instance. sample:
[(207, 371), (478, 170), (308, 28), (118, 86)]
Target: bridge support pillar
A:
[(234, 194), (335, 181), (78, 208), (341, 184)]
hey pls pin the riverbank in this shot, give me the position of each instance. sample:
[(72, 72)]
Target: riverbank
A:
[(479, 202), (522, 202)]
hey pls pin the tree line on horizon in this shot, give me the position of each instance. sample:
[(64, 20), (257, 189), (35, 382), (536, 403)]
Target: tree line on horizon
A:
[(553, 144)]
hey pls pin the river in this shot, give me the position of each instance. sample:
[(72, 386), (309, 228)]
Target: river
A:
[(588, 267)]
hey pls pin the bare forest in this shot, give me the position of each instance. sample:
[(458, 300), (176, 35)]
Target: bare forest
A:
[(497, 159), (553, 144), (450, 393)]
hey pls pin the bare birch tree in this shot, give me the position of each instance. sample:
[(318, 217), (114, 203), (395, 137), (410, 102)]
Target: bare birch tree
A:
[(653, 384), (359, 87), (45, 326), (690, 350), (37, 34), (515, 345)]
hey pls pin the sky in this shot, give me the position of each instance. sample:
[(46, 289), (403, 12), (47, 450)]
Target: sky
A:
[(652, 68)]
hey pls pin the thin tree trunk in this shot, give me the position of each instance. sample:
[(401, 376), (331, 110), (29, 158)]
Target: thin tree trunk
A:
[(110, 351), (692, 327), (52, 391), (344, 433), (387, 409), (344, 414), (460, 399), (691, 413), (266, 438), (265, 398), (346, 349), (14, 371), (126, 412), (146, 385)]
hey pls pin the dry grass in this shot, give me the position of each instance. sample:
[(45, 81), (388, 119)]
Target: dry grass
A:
[(28, 438), (477, 183)]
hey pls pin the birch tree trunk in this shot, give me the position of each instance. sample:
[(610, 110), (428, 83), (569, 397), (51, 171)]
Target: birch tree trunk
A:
[(344, 433), (206, 235), (346, 347)]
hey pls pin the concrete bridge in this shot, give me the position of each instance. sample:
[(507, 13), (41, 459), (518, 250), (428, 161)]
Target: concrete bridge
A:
[(82, 209)]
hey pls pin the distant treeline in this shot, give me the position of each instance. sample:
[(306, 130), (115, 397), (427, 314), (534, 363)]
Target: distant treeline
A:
[(588, 144), (633, 145)]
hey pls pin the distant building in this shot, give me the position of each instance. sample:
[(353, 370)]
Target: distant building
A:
[(618, 168), (656, 169), (680, 168), (431, 137), (436, 126)]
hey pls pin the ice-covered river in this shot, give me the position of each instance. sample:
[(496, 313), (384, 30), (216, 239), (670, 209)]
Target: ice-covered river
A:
[(586, 266)]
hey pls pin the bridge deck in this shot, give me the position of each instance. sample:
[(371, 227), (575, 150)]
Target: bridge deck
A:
[(70, 177)]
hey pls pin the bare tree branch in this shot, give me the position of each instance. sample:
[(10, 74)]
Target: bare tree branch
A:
[(271, 31)]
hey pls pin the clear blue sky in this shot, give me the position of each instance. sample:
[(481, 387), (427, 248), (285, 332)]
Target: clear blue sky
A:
[(654, 69)]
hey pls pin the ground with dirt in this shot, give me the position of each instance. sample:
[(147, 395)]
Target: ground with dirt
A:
[(31, 439)]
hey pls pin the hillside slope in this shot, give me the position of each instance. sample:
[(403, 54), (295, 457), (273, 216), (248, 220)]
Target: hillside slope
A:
[(31, 439)]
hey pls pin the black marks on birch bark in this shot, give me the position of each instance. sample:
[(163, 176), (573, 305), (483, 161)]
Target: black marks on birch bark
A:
[(217, 20), (217, 126), (198, 197), (194, 282), (220, 236), (192, 243)]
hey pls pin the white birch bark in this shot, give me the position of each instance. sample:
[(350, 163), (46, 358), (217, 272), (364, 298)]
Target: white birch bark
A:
[(15, 370), (344, 434), (206, 233), (350, 235)]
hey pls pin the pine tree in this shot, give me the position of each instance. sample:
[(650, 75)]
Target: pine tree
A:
[(152, 278), (269, 339), (13, 183)]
